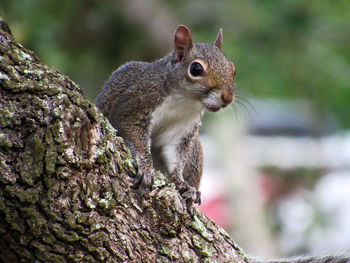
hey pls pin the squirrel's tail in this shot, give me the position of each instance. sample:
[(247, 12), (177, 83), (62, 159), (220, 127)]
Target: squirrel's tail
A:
[(307, 259)]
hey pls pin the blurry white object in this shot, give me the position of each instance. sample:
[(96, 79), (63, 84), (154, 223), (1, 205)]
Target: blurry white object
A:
[(332, 198), (318, 221)]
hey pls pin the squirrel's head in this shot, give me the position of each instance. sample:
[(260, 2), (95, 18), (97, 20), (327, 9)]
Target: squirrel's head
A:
[(208, 74)]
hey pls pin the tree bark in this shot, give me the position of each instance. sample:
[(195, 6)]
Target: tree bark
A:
[(65, 181)]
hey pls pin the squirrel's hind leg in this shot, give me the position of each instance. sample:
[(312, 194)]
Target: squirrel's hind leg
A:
[(192, 173)]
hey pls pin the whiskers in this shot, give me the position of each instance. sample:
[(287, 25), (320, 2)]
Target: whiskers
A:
[(241, 106)]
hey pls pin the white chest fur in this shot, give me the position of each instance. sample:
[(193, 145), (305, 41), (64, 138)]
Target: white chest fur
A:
[(171, 121)]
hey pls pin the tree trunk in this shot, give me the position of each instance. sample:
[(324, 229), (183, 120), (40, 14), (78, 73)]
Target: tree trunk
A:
[(65, 181)]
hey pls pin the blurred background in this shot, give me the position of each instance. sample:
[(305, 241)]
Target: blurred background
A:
[(277, 163)]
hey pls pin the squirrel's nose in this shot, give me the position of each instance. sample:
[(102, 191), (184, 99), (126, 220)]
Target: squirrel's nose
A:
[(227, 97)]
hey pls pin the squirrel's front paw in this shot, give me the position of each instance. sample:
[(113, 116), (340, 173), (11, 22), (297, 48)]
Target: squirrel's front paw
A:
[(190, 194), (143, 182)]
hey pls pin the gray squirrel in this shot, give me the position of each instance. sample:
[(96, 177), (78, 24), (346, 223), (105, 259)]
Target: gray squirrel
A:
[(157, 108)]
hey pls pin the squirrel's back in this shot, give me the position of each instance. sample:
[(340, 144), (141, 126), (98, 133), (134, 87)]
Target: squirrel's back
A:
[(133, 84)]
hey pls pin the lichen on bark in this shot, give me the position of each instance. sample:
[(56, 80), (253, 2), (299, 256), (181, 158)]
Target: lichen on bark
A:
[(65, 180)]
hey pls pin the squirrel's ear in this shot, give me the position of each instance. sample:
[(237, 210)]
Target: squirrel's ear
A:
[(182, 42), (218, 40)]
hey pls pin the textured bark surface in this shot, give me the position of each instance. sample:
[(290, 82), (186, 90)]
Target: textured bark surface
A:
[(65, 181)]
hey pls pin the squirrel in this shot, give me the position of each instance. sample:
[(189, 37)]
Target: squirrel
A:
[(157, 108)]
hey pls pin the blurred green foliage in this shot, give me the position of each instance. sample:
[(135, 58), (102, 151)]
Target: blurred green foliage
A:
[(288, 48)]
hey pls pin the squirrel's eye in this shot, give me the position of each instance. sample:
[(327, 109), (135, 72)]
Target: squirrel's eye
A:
[(196, 69)]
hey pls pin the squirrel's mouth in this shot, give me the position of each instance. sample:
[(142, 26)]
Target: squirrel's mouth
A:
[(214, 101), (212, 108)]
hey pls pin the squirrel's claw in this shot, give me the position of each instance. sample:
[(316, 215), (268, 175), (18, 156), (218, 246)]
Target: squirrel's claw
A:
[(189, 193), (192, 195)]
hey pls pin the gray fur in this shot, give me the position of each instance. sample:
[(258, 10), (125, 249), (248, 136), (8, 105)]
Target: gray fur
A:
[(308, 259)]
